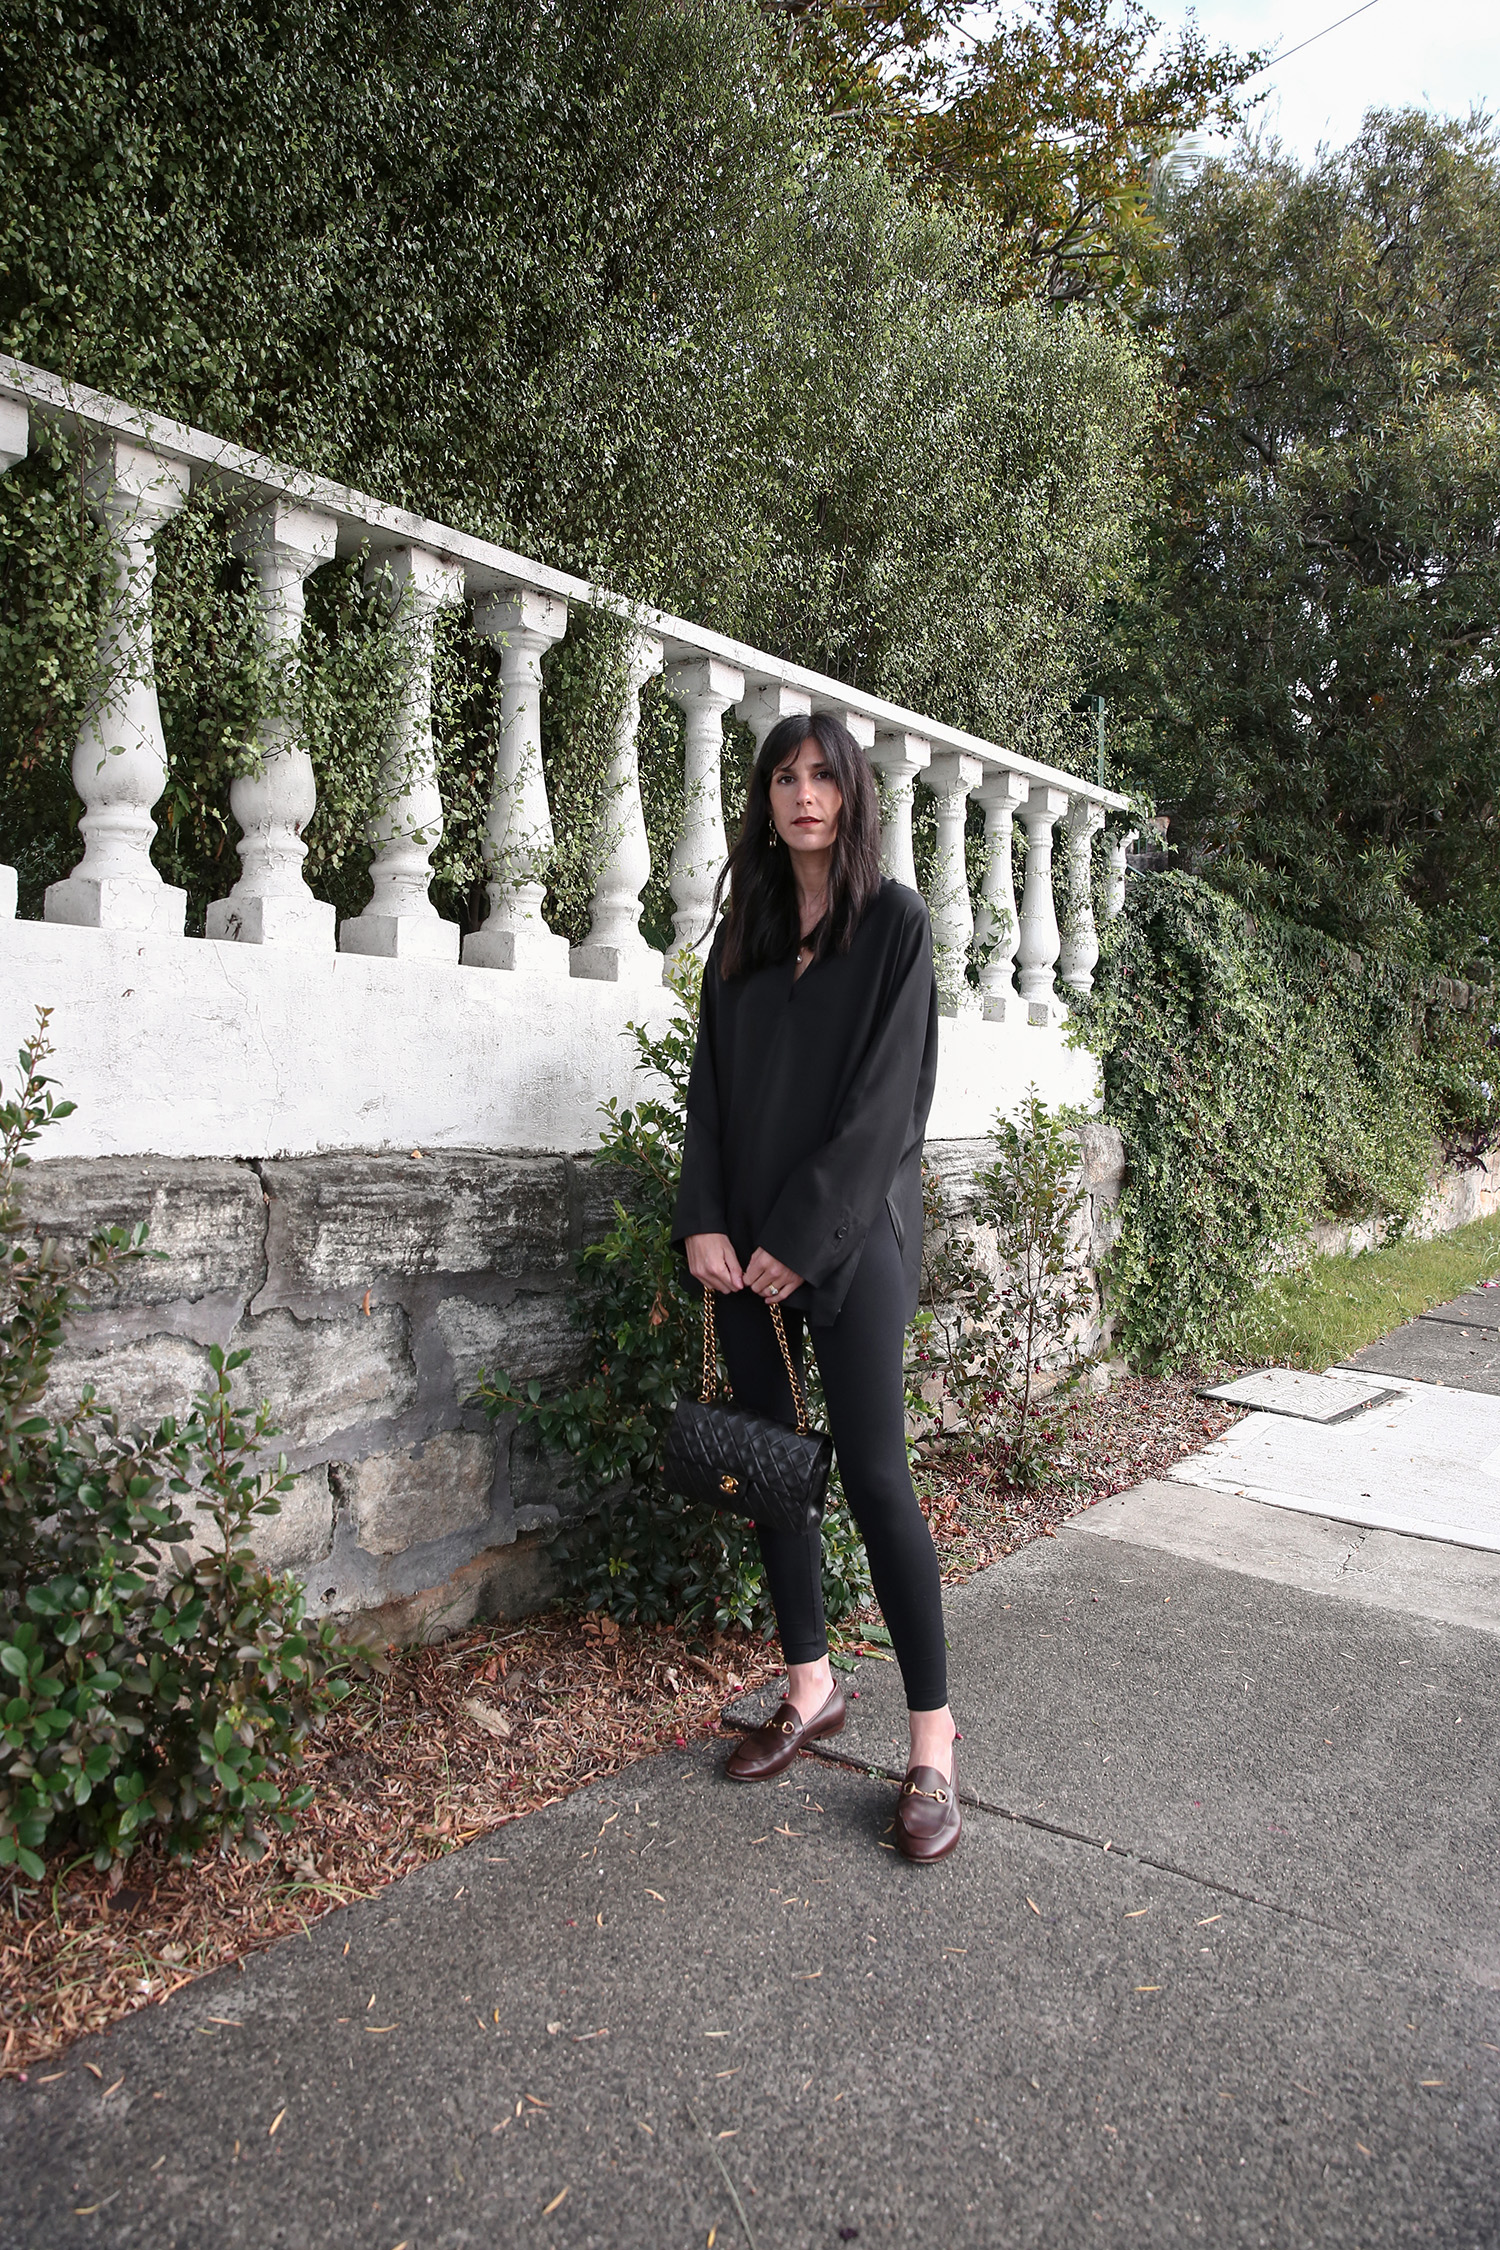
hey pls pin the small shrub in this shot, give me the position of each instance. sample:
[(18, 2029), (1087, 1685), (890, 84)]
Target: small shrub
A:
[(152, 1675), (984, 1337), (642, 1553)]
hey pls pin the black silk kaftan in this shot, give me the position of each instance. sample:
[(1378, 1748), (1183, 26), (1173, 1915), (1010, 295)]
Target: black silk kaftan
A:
[(808, 1100)]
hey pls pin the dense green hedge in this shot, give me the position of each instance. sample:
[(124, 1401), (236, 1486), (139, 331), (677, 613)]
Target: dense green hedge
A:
[(1262, 1077), (583, 278)]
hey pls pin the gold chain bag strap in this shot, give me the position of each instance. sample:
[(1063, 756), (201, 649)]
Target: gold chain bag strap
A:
[(711, 1383), (723, 1456)]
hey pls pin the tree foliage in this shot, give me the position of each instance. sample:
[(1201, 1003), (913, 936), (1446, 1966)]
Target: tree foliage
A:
[(590, 279), (1047, 124), (1310, 663)]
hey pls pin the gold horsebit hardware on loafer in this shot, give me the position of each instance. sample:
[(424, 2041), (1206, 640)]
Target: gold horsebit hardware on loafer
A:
[(937, 1796)]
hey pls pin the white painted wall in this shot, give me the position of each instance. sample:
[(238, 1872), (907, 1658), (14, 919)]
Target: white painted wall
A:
[(188, 1047)]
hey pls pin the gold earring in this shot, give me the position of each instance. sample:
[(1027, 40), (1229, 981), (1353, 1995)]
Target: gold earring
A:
[(771, 846)]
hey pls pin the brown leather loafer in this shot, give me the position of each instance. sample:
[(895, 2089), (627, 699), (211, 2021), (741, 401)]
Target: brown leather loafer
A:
[(770, 1749), (928, 1821)]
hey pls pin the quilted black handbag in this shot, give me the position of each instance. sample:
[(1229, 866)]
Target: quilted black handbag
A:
[(742, 1462)]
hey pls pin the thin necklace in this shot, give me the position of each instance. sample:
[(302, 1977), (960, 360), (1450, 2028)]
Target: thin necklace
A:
[(805, 948)]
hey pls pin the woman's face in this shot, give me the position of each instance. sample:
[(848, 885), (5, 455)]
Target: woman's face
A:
[(806, 800)]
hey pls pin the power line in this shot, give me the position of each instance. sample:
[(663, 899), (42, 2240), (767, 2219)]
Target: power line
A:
[(1317, 35)]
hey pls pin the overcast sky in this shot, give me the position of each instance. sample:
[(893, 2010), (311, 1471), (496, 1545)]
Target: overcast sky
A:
[(1443, 54)]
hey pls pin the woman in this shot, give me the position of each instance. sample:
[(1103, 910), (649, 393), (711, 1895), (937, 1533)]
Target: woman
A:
[(802, 1187)]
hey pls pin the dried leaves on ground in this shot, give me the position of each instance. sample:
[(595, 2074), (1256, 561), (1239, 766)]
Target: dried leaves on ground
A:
[(1126, 1435), (458, 1739), (453, 1742)]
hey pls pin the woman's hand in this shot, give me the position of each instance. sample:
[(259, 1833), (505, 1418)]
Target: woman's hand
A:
[(769, 1278), (712, 1261)]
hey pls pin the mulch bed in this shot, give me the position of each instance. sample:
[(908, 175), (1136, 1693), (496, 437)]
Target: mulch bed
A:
[(1126, 1435), (458, 1739)]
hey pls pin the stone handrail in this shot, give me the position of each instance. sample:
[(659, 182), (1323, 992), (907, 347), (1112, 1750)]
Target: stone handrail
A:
[(139, 470)]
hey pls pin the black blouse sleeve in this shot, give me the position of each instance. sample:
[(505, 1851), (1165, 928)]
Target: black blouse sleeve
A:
[(700, 1207), (830, 1202)]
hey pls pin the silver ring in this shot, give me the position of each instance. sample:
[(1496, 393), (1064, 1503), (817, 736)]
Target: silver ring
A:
[(773, 1291)]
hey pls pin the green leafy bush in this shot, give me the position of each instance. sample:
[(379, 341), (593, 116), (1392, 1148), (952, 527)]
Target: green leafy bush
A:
[(990, 1325), (642, 1553), (566, 277), (1262, 1076), (153, 1677), (1461, 1064)]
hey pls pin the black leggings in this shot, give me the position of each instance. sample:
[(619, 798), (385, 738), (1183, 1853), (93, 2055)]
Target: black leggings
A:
[(860, 1359)]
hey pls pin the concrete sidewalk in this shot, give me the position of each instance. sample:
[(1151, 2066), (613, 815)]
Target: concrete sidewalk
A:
[(1218, 1963)]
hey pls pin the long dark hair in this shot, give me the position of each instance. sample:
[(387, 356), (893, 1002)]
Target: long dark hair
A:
[(763, 924)]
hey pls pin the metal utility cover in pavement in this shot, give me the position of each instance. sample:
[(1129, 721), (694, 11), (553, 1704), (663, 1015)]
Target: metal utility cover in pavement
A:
[(1309, 1398)]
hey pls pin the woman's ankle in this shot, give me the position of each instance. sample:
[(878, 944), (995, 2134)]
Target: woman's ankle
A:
[(933, 1734), (809, 1686)]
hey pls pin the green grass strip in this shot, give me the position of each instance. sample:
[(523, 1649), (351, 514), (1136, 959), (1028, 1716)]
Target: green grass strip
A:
[(1333, 1306)]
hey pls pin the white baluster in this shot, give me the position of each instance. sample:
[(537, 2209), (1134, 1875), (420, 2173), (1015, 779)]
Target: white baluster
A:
[(271, 903), (1080, 939), (766, 705), (1040, 938), (997, 931), (401, 922), (518, 827), (120, 759), (614, 950), (15, 433), (858, 723), (1116, 848), (898, 758), (705, 689), (14, 443), (950, 777)]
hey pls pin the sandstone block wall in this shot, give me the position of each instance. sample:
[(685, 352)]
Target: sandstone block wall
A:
[(1101, 1159), (369, 1292)]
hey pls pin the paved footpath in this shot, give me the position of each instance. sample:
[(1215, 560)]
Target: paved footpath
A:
[(1218, 1960)]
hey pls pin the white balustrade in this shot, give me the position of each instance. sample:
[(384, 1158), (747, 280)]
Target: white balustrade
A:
[(15, 440), (1041, 940), (1116, 850), (120, 758), (1080, 938), (518, 840), (898, 758), (997, 930), (15, 433), (138, 470), (765, 706), (705, 690), (271, 903), (950, 776), (614, 950), (401, 922), (857, 723)]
